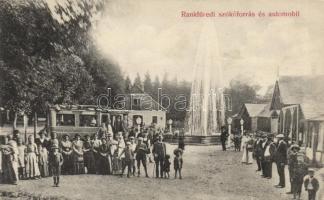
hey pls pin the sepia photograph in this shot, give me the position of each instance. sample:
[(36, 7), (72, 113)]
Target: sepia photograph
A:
[(161, 100)]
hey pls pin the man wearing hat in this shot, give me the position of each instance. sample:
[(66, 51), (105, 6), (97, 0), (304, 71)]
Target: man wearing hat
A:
[(159, 152), (299, 170), (269, 156), (223, 136), (281, 160), (129, 156), (264, 144), (141, 150), (258, 151), (290, 158)]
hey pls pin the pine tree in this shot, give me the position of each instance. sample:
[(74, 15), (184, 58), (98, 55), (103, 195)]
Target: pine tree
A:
[(128, 85), (148, 86), (138, 82)]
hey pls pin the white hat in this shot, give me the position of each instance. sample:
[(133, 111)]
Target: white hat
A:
[(280, 136)]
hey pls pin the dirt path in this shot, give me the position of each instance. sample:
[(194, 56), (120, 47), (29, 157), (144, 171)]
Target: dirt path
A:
[(209, 174)]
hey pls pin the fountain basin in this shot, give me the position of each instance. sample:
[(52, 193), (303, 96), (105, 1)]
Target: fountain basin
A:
[(195, 139)]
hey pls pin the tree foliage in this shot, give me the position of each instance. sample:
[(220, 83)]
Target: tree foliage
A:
[(242, 91), (46, 59)]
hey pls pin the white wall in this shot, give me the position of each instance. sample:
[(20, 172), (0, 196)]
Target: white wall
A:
[(147, 117)]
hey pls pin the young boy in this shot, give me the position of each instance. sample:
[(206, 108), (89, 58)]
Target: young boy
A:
[(56, 161), (21, 158), (177, 162), (311, 185), (166, 166), (129, 156)]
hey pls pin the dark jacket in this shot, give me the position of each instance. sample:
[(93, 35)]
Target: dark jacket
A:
[(45, 143), (314, 183), (281, 152), (159, 149), (224, 135), (258, 148), (272, 151)]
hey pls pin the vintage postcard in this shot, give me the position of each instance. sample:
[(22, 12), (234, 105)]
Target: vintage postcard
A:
[(162, 99)]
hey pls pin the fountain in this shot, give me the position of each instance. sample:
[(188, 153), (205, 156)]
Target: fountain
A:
[(207, 111)]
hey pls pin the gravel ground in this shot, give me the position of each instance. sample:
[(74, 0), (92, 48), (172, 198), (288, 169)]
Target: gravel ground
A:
[(208, 174)]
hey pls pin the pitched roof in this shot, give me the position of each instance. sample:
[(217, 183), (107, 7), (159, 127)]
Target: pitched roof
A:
[(308, 91), (254, 109)]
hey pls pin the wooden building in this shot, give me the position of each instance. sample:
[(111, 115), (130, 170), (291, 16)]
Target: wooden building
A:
[(299, 102), (250, 115)]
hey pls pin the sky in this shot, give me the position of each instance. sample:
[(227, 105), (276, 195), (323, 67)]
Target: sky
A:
[(151, 36)]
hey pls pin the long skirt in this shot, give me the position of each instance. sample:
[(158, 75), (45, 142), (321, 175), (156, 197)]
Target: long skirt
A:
[(43, 168), (117, 165), (67, 167), (78, 164), (89, 162), (105, 166), (245, 155), (10, 169), (249, 157), (32, 169)]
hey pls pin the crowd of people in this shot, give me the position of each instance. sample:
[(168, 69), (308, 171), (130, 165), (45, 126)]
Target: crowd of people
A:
[(103, 153), (267, 149)]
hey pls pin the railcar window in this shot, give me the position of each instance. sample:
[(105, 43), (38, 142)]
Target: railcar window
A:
[(65, 120), (88, 120)]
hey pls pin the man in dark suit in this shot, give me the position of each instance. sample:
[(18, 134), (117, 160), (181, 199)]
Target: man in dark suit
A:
[(264, 144), (159, 152), (269, 153), (258, 151), (281, 160)]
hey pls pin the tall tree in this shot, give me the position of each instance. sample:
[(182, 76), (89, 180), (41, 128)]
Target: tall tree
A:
[(148, 86), (241, 91), (77, 21), (28, 34), (138, 82), (128, 84), (156, 86)]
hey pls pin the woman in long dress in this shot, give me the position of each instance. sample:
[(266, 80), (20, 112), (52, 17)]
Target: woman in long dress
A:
[(249, 149), (104, 157), (32, 170), (43, 161), (66, 148), (243, 147), (88, 155), (117, 159), (8, 163), (96, 142), (77, 146)]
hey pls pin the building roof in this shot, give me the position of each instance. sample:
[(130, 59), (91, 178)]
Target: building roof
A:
[(307, 91), (265, 111), (253, 110), (318, 118)]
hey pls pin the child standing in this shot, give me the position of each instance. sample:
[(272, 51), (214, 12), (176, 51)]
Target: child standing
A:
[(166, 166), (129, 156), (21, 159), (177, 162), (56, 161), (43, 161), (311, 185)]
